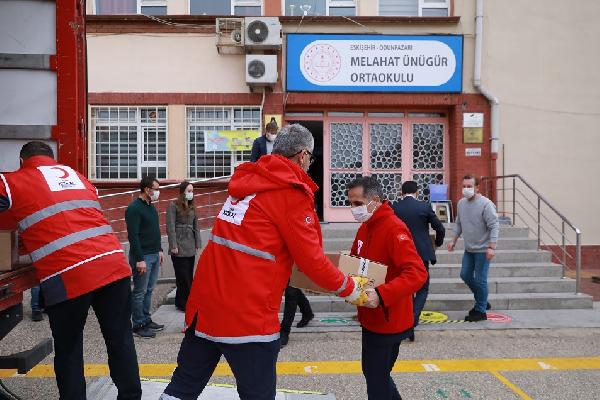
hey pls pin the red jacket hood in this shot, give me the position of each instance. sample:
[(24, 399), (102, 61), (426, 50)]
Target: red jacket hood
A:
[(382, 213), (38, 161), (270, 172)]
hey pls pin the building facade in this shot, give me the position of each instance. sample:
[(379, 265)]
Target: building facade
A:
[(158, 82)]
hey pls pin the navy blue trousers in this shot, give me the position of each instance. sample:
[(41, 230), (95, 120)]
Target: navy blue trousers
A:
[(379, 353), (253, 365)]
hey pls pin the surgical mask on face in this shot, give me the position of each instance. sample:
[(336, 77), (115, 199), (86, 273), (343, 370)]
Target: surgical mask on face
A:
[(271, 137), (189, 196), (361, 213), (468, 193), (155, 195)]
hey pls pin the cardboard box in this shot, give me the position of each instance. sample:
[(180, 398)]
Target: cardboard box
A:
[(9, 252), (349, 265)]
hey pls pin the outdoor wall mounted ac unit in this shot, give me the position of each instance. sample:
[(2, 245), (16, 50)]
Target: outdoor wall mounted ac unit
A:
[(261, 70), (230, 35), (262, 33)]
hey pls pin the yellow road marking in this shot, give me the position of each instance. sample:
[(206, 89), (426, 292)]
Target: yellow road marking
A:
[(511, 385), (354, 367)]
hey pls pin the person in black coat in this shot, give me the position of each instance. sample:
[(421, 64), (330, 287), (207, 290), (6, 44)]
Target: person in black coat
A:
[(418, 216), (264, 144)]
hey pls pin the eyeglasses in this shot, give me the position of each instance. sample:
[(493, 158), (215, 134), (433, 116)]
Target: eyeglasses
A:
[(312, 158)]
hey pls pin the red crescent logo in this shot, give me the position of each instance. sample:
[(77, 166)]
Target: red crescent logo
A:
[(66, 173)]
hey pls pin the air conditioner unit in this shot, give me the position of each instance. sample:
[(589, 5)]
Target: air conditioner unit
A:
[(261, 70), (230, 35), (262, 33)]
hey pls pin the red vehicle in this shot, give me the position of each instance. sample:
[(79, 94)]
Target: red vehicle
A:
[(42, 97)]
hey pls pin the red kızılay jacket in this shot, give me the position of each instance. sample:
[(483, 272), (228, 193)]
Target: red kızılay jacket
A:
[(62, 228), (385, 239), (267, 223)]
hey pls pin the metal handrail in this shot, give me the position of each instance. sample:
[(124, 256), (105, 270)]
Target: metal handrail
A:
[(538, 220)]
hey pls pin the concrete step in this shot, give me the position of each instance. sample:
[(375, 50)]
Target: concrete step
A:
[(348, 230), (506, 285), (543, 269), (502, 256), (503, 244), (458, 302), (512, 301), (340, 244)]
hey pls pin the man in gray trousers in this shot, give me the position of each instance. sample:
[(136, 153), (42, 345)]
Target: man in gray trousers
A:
[(477, 220)]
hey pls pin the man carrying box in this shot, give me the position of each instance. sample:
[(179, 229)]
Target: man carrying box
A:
[(387, 316), (267, 223)]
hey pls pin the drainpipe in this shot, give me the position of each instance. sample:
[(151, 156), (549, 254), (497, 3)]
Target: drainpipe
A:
[(477, 80)]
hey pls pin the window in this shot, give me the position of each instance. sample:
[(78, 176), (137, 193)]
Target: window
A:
[(206, 118), (414, 8), (128, 142), (226, 7), (104, 7), (319, 7), (247, 8), (152, 7), (148, 7)]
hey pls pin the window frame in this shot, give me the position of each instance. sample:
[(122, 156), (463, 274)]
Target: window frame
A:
[(138, 6), (151, 3), (238, 3), (247, 3), (330, 4), (235, 158), (447, 4), (92, 142)]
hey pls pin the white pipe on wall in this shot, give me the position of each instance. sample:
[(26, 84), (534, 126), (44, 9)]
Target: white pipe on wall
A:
[(494, 102)]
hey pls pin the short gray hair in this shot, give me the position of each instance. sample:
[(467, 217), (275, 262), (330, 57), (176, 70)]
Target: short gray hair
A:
[(371, 187), (292, 139)]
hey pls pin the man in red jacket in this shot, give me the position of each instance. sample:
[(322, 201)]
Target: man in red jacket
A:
[(79, 262), (267, 223), (387, 316)]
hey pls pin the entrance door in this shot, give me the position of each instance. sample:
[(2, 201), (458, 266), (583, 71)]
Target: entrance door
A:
[(393, 147), (316, 170)]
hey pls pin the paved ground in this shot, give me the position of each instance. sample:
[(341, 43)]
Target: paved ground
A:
[(446, 362)]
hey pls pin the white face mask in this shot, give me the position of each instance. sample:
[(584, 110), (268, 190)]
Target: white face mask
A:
[(361, 213), (189, 196), (271, 137), (468, 193), (155, 195)]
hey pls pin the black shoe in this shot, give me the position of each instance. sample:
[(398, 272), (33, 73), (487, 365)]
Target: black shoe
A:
[(411, 338), (144, 332), (284, 339), (153, 326), (476, 317), (305, 320), (37, 316), (472, 311)]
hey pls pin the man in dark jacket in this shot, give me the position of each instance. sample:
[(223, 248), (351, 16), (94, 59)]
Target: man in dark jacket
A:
[(418, 216), (264, 144), (386, 317)]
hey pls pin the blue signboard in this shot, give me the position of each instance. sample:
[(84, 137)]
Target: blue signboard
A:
[(374, 63)]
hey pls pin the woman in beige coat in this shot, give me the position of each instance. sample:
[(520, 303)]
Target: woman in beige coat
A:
[(184, 241)]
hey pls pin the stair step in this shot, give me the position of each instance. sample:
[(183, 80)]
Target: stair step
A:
[(502, 256), (348, 230), (512, 301), (506, 285), (503, 244), (544, 269), (458, 302), (344, 243)]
